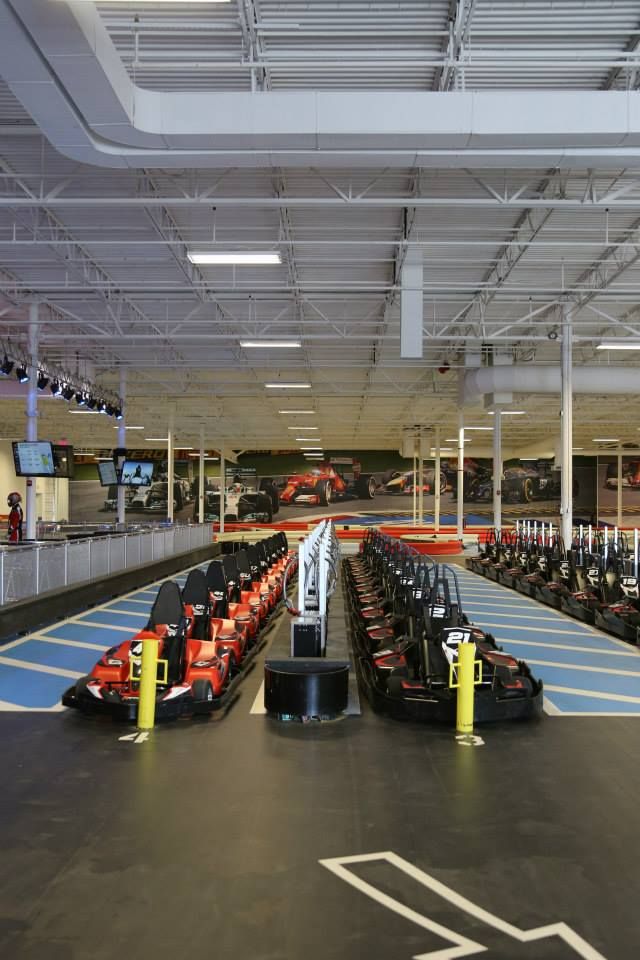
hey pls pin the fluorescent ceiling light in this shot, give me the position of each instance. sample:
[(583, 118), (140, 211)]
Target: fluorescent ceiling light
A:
[(103, 458), (605, 440), (271, 344), (282, 385), (301, 412), (304, 439), (85, 412), (183, 448), (478, 428), (239, 257), (442, 450), (158, 439), (303, 428), (620, 344), (312, 448), (577, 448), (129, 428), (504, 413), (455, 439)]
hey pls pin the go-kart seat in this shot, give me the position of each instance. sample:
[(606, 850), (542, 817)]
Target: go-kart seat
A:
[(168, 622), (196, 594)]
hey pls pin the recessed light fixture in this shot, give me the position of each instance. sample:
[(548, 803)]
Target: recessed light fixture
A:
[(620, 344), (235, 257), (271, 344), (605, 440), (304, 413), (283, 385)]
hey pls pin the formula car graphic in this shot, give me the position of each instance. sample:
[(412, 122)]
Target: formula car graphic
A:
[(326, 484)]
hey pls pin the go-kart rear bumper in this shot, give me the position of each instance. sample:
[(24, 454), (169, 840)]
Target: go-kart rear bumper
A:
[(439, 707)]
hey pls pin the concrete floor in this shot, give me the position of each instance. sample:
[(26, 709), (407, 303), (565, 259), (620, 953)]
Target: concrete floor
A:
[(206, 839)]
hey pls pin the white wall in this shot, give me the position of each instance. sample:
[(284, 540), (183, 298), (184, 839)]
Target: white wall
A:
[(8, 479)]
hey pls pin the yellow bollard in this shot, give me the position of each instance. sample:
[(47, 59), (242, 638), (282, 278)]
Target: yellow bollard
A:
[(466, 682), (148, 681)]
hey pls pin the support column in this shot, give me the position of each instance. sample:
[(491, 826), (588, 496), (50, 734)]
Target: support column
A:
[(497, 469), (566, 424), (201, 479), (170, 465), (32, 416), (619, 492), (122, 443), (222, 490), (436, 506), (421, 479), (460, 517), (415, 480)]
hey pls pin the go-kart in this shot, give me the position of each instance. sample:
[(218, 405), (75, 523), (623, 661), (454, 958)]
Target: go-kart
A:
[(407, 624), (326, 484), (194, 674)]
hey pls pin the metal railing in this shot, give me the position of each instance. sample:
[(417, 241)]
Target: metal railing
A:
[(319, 555), (32, 569)]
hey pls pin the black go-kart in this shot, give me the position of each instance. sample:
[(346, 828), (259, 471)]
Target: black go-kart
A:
[(406, 625)]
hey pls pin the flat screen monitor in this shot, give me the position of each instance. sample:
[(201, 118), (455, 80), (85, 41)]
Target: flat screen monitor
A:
[(62, 460), (107, 473), (137, 473), (33, 458)]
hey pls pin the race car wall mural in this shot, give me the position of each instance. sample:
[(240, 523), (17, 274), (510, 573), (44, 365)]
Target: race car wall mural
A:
[(261, 487)]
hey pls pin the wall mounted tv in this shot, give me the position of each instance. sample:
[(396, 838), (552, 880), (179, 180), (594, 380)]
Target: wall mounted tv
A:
[(33, 458), (107, 473), (136, 473), (62, 460)]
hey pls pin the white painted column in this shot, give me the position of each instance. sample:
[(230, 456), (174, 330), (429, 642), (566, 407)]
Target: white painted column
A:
[(421, 479), (566, 423), (201, 479), (497, 469), (460, 518), (32, 417), (619, 491), (222, 485), (436, 508), (122, 443), (415, 481), (170, 464)]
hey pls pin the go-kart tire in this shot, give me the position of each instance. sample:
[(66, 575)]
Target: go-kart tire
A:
[(527, 490), (324, 490), (366, 487), (202, 693)]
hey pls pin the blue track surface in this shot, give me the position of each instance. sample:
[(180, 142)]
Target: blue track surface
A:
[(35, 670), (585, 672)]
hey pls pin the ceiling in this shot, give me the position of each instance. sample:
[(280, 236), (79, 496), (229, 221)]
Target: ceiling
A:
[(104, 250)]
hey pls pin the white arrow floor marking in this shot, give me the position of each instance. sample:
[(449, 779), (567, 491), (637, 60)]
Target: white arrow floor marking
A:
[(461, 946)]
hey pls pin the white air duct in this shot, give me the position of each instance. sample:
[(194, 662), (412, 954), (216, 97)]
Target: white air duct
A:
[(530, 378)]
